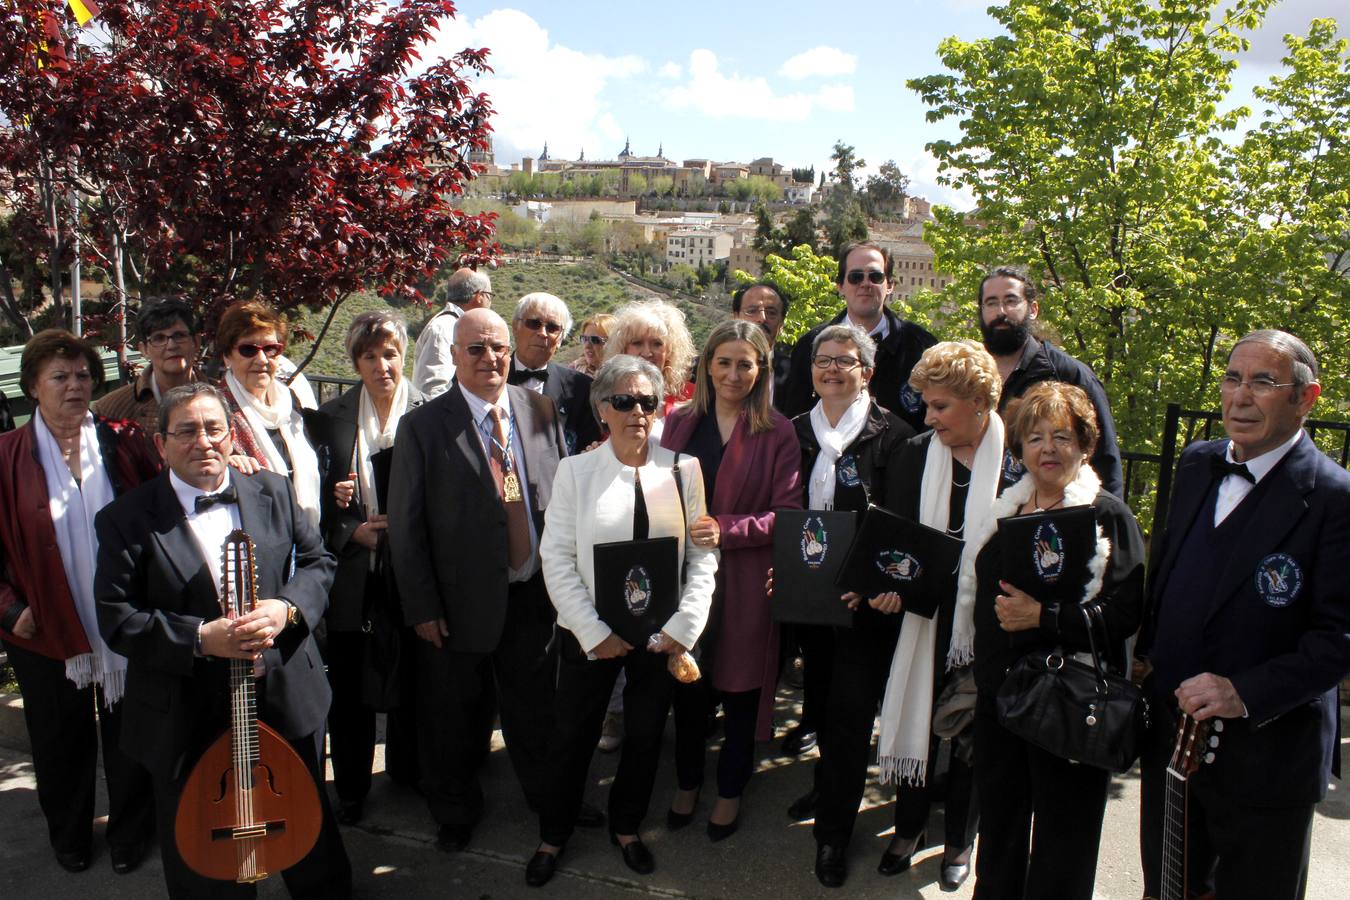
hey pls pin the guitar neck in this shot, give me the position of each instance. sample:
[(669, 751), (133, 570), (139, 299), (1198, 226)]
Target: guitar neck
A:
[(243, 721), (1173, 882)]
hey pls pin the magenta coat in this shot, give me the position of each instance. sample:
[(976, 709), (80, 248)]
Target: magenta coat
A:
[(758, 474)]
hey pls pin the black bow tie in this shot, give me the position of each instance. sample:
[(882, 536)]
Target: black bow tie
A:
[(520, 376), (206, 501), (1223, 468)]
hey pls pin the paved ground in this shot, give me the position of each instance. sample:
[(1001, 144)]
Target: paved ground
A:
[(394, 855)]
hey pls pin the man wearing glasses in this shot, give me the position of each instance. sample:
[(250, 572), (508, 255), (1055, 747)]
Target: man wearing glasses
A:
[(433, 364), (169, 336), (763, 304), (1008, 311), (472, 476), (542, 322), (1249, 623), (864, 281)]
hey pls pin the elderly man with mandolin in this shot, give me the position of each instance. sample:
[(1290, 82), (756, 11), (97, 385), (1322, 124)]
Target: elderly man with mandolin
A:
[(208, 582), (1249, 625)]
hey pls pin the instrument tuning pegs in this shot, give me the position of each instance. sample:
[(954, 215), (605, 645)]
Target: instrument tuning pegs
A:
[(1218, 724), (1209, 757), (1214, 740)]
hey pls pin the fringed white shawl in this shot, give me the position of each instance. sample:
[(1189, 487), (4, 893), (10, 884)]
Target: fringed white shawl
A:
[(279, 414)]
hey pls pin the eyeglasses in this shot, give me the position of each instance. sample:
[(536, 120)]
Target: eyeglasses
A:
[(768, 312), (876, 276), (271, 351), (160, 339), (1007, 303), (594, 340), (476, 350), (845, 363), (215, 433), (1260, 387), (542, 324), (625, 402)]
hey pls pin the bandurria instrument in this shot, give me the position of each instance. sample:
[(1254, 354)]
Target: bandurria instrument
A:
[(1195, 745), (250, 806)]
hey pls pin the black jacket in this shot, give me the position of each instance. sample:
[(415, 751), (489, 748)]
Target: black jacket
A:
[(1046, 362), (570, 392), (896, 356)]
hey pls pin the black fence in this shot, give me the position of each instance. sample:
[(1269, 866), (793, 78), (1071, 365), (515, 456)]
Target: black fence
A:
[(328, 387)]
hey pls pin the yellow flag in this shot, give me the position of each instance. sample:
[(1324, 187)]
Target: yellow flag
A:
[(84, 10)]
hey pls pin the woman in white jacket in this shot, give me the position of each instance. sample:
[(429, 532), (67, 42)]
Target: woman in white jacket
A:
[(625, 489)]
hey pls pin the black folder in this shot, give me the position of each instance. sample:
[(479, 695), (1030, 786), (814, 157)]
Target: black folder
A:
[(892, 553), (1046, 554), (809, 546), (381, 464), (637, 586)]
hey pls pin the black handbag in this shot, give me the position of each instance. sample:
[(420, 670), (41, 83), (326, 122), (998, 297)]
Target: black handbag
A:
[(1076, 711), (382, 624)]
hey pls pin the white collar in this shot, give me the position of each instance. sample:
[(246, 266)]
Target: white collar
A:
[(880, 332), (187, 494), (478, 407), (519, 366), (1260, 466)]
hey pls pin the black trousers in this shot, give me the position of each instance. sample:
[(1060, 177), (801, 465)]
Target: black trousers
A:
[(324, 873), (401, 753), (692, 704), (64, 731), (456, 692), (351, 724), (862, 664), (1233, 848), (584, 687), (817, 646), (961, 817), (1017, 783)]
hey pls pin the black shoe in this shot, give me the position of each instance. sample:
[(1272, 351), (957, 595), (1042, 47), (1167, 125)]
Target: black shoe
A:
[(804, 807), (830, 869), (895, 863), (636, 856), (73, 860), (540, 868), (953, 875), (127, 859), (677, 820), (349, 812), (722, 832), (453, 838), (589, 817), (798, 741)]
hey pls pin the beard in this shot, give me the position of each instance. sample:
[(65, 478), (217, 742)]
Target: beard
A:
[(1004, 341)]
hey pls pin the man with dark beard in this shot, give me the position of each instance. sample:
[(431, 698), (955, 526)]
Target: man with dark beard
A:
[(1008, 309)]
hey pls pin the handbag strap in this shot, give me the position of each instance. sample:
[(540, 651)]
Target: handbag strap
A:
[(1089, 611), (684, 514)]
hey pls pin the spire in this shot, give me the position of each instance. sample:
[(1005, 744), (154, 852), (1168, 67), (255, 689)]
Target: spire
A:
[(626, 151), (543, 156), (582, 157), (661, 149)]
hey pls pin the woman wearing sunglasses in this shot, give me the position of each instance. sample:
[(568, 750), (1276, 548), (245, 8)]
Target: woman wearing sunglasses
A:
[(655, 331), (625, 489), (594, 334), (269, 432), (751, 466)]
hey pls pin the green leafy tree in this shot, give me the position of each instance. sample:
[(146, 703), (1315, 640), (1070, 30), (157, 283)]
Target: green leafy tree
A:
[(801, 229), (808, 279), (637, 184), (845, 220), (887, 190), (661, 185)]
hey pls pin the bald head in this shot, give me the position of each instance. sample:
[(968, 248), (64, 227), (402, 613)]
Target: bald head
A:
[(482, 353), (469, 289)]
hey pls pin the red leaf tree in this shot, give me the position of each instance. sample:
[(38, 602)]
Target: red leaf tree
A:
[(285, 150)]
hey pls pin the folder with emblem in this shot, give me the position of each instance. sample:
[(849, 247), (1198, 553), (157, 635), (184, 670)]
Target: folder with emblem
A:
[(892, 553), (637, 586), (809, 546), (1047, 554)]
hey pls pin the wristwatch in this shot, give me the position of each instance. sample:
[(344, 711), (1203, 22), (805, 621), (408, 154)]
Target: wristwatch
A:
[(292, 613)]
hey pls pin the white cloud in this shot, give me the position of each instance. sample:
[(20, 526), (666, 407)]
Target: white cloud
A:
[(540, 90), (711, 92), (923, 182), (824, 62), (671, 70)]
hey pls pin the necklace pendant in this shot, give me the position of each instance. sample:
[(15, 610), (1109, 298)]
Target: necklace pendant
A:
[(511, 488)]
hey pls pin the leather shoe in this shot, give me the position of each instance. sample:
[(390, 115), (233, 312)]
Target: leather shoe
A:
[(722, 832), (895, 863), (830, 869), (636, 856), (349, 812), (539, 870), (127, 859), (453, 838), (73, 860), (798, 741), (589, 817), (677, 820), (804, 807), (953, 876)]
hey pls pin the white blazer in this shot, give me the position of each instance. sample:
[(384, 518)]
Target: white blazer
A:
[(592, 503)]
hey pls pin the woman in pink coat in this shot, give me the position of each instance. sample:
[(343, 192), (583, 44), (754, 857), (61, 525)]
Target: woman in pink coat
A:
[(751, 466)]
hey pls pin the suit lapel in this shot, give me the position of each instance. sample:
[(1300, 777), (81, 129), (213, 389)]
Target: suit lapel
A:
[(1194, 482), (461, 432), (255, 511), (170, 531)]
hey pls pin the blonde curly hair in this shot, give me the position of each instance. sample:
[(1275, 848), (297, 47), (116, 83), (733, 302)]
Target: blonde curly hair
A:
[(963, 367), (644, 317)]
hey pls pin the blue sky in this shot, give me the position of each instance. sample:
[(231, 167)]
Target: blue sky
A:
[(740, 80)]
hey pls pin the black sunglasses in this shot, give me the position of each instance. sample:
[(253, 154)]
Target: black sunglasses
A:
[(876, 276), (625, 402), (594, 339), (271, 351), (477, 350), (537, 324)]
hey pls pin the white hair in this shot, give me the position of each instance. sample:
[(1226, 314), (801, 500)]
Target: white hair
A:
[(540, 301)]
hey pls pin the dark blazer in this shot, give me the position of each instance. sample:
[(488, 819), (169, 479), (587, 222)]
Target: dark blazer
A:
[(570, 392), (153, 588), (332, 431), (896, 356), (447, 526), (1285, 661)]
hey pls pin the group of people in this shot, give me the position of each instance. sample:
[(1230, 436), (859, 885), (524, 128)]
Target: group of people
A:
[(429, 544)]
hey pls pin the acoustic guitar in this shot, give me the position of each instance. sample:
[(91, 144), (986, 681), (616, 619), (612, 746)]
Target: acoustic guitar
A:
[(250, 806), (1195, 745)]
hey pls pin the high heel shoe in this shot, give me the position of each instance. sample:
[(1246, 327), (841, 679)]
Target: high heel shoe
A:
[(895, 863), (677, 820), (722, 832), (954, 874)]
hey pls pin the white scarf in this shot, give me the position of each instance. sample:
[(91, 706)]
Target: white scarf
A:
[(73, 507), (371, 439), (907, 710), (833, 440), (280, 415)]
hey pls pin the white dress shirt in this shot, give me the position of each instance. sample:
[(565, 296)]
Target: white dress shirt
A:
[(879, 333), (209, 527), (478, 408), (433, 368), (530, 384), (1234, 488)]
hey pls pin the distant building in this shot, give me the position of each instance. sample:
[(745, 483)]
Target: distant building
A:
[(697, 246), (913, 260), (799, 194), (747, 259)]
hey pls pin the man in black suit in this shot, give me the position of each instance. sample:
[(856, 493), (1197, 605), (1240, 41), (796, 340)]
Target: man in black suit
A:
[(472, 475), (765, 305), (865, 281), (157, 589), (541, 322), (1250, 623)]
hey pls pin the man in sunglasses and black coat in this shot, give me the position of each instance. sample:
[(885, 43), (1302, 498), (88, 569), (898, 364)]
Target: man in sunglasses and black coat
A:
[(865, 281), (542, 322)]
